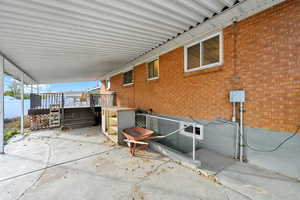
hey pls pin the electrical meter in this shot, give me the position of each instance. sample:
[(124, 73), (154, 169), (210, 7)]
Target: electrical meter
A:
[(237, 96)]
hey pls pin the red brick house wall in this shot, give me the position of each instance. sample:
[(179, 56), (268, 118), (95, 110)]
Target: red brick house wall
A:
[(265, 49), (125, 94)]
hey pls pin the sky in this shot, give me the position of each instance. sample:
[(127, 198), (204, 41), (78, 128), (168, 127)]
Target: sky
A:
[(77, 86), (58, 87)]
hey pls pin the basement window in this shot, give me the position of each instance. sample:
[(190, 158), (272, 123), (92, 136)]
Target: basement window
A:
[(190, 129), (128, 78), (153, 69), (204, 54)]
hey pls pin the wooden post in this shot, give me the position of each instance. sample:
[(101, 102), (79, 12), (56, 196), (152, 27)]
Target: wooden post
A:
[(1, 104)]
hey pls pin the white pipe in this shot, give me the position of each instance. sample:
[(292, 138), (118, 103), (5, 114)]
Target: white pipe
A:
[(22, 103), (194, 142), (157, 117), (2, 105), (233, 112), (237, 138), (241, 133)]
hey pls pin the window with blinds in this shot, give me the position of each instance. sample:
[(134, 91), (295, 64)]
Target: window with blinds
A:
[(128, 78)]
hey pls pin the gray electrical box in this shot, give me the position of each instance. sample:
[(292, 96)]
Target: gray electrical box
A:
[(237, 96)]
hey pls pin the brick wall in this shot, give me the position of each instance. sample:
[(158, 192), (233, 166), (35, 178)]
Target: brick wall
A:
[(261, 56), (125, 94)]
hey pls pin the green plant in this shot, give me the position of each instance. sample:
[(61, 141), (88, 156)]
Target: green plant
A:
[(9, 134), (12, 128)]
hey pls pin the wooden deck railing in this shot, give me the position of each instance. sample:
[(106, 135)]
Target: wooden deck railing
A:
[(44, 100), (102, 100)]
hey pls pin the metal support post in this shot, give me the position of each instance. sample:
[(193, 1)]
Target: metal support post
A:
[(1, 105), (22, 103)]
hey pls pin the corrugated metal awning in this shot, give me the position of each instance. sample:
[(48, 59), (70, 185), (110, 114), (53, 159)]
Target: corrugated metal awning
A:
[(81, 40)]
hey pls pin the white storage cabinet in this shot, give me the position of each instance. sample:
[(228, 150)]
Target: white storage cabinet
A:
[(116, 119)]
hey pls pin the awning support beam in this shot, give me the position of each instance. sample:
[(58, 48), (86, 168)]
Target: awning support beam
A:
[(17, 66)]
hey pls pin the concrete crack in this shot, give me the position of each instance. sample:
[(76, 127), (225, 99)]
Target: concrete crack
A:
[(41, 174), (247, 197), (226, 194), (57, 164), (136, 189)]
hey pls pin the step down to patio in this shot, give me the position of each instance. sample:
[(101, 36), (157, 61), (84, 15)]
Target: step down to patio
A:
[(78, 117), (80, 124), (251, 181)]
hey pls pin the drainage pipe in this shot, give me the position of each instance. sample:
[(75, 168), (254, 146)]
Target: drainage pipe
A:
[(241, 133)]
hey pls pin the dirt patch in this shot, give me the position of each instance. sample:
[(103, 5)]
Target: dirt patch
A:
[(103, 164)]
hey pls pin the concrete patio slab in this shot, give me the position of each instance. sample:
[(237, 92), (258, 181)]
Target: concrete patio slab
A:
[(252, 181), (109, 173)]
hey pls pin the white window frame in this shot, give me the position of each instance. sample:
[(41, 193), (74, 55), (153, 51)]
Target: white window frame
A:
[(127, 84), (154, 78), (221, 55), (107, 87)]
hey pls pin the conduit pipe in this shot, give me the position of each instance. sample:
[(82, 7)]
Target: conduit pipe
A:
[(241, 133), (237, 135), (233, 112), (237, 140)]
